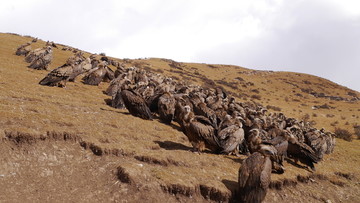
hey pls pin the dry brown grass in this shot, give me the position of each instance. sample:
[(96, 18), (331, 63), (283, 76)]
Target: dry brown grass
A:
[(162, 149)]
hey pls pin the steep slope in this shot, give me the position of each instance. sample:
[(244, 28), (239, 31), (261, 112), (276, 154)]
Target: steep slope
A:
[(111, 155)]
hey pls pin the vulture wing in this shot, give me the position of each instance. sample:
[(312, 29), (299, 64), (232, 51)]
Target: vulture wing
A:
[(265, 176), (57, 75), (95, 76), (136, 104)]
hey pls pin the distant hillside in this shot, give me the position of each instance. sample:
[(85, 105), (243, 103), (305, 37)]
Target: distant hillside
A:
[(67, 144)]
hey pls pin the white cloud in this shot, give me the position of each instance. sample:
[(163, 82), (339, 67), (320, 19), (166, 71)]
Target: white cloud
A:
[(312, 36)]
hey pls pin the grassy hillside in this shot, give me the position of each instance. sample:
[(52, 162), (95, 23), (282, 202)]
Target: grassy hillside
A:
[(111, 155)]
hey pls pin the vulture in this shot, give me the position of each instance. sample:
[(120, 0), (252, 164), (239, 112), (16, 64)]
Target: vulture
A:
[(23, 49), (67, 72), (199, 131), (254, 140), (33, 54), (99, 74), (202, 110), (58, 76), (255, 176), (317, 142), (117, 101), (116, 84), (330, 140), (41, 61), (230, 137), (136, 104), (166, 107), (301, 152), (79, 69), (281, 145)]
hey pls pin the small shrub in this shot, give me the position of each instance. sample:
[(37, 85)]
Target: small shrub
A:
[(239, 79), (343, 134), (275, 108), (314, 115), (306, 117), (255, 96)]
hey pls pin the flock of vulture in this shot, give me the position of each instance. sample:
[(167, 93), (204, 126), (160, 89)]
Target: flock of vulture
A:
[(210, 118)]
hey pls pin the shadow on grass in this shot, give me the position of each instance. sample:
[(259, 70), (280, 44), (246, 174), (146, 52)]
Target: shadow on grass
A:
[(233, 187), (170, 145), (298, 165)]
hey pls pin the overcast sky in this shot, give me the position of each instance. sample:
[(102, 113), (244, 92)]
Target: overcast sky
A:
[(319, 37)]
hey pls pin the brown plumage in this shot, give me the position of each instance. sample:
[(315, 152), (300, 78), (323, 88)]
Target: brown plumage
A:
[(33, 54), (317, 142), (281, 145), (116, 84), (136, 104), (58, 76), (117, 101), (255, 176), (199, 131), (67, 72), (254, 140), (23, 49), (216, 104), (42, 61), (231, 137), (80, 68), (330, 141), (99, 74), (166, 107), (302, 152), (202, 110)]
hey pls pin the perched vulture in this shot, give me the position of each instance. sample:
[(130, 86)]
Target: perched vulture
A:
[(99, 74), (231, 137), (316, 140), (80, 68), (166, 107), (41, 61), (281, 145), (34, 54), (199, 131), (67, 72), (136, 104), (116, 84), (117, 101), (58, 76), (330, 140), (254, 140), (202, 110), (302, 152), (23, 49), (255, 176)]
